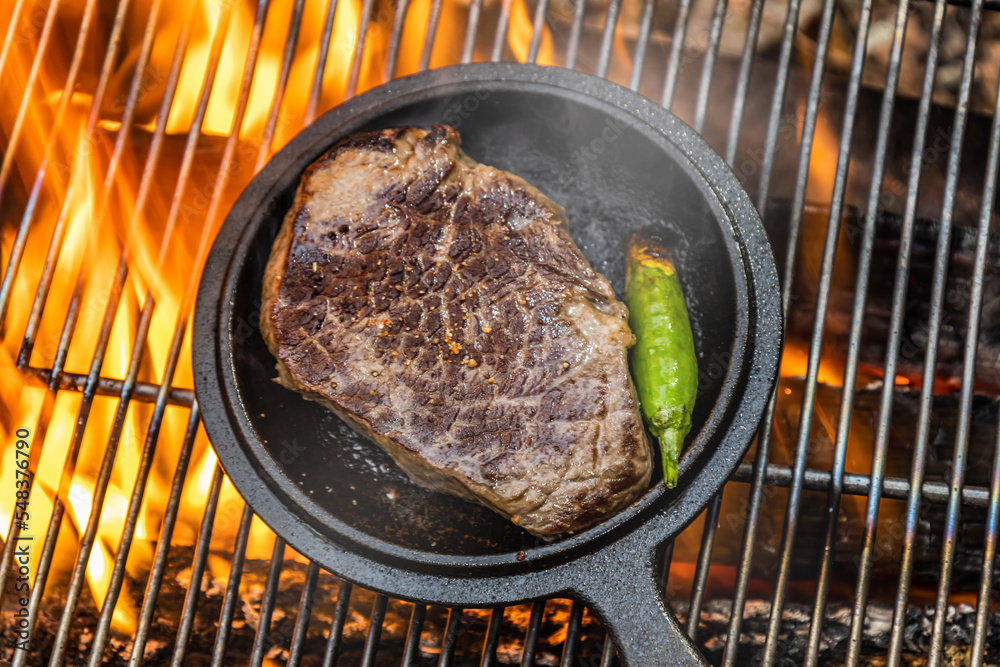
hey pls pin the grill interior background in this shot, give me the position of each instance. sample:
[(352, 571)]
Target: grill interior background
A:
[(867, 133)]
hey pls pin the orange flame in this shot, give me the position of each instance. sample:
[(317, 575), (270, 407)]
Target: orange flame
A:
[(446, 49), (521, 32), (99, 214)]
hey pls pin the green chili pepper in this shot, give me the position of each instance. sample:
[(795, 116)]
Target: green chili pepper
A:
[(664, 365)]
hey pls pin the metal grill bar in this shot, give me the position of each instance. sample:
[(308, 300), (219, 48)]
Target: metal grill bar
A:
[(575, 32), (492, 638), (279, 92), (835, 481), (573, 626), (676, 48), (816, 342), (531, 637), (14, 262), (708, 65), (962, 437), (163, 545), (608, 39), (668, 556), (431, 33), (128, 117), (224, 174), (854, 341), (267, 603), (983, 601), (451, 630), (642, 43), (374, 631), (44, 284), (197, 574), (701, 569), (305, 610), (144, 391), (743, 80), (412, 649), (323, 51), (608, 658), (337, 626), (770, 146), (537, 30), (64, 99), (359, 50), (65, 336), (475, 7), (89, 536), (8, 40), (926, 395), (159, 136), (855, 484), (392, 56), (761, 465), (230, 601), (29, 87), (972, 339), (500, 37)]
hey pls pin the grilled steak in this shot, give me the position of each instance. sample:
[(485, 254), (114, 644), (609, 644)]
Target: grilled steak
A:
[(440, 307)]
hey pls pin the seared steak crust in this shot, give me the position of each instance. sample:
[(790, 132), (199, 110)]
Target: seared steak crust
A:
[(440, 307)]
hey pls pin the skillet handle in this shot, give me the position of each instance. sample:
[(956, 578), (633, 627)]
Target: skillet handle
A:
[(631, 606)]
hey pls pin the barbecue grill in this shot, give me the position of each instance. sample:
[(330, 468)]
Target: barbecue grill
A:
[(860, 529)]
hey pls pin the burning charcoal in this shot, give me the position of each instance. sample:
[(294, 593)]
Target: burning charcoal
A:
[(472, 629), (796, 619), (810, 536), (968, 200), (166, 619), (916, 320)]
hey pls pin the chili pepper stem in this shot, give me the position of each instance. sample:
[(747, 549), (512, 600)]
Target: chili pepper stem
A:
[(671, 426), (671, 442)]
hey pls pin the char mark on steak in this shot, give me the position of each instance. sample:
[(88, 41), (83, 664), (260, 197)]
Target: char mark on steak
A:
[(439, 306)]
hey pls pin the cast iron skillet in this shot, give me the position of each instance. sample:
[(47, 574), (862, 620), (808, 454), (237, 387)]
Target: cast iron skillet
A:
[(618, 162)]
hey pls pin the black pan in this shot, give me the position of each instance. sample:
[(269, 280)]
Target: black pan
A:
[(617, 162)]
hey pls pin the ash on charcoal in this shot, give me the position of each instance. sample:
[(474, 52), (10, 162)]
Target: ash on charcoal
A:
[(162, 636), (472, 629), (794, 637)]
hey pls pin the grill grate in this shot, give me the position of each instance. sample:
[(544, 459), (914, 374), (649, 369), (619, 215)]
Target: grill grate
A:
[(52, 294)]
